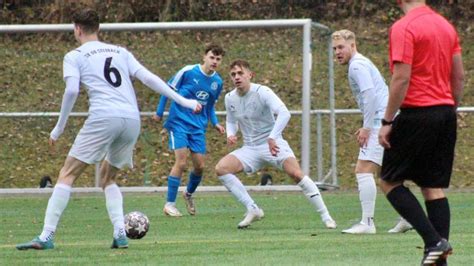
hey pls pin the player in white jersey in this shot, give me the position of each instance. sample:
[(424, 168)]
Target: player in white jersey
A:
[(371, 94), (111, 129), (251, 108)]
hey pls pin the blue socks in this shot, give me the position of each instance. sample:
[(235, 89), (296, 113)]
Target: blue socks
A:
[(174, 182), (173, 185), (193, 183)]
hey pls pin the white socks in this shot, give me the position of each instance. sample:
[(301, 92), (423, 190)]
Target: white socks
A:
[(56, 205), (235, 186), (367, 195), (114, 203), (311, 191)]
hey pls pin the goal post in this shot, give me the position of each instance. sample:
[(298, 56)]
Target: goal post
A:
[(306, 25)]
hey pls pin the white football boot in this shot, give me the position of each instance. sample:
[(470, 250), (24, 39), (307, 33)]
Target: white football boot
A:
[(252, 215), (360, 229), (171, 210), (401, 227), (330, 224)]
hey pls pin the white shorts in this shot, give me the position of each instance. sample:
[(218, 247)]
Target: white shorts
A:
[(373, 151), (112, 138), (253, 158)]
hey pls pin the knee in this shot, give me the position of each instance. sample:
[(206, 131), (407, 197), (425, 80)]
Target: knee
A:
[(297, 176), (180, 165), (221, 169), (66, 177), (198, 169), (105, 183)]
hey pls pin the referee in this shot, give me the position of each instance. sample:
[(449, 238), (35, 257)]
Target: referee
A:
[(426, 85)]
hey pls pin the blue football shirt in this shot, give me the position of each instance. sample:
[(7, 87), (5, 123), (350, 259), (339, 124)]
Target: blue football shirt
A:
[(192, 83)]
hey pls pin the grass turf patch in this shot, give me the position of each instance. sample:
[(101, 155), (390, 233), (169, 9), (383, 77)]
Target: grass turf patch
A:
[(290, 233)]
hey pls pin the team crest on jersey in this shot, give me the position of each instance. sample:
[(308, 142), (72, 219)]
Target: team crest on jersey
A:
[(214, 86)]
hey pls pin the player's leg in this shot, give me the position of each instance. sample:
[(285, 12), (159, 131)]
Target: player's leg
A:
[(197, 145), (367, 194), (195, 177), (310, 190), (226, 169), (407, 205), (437, 207), (57, 203), (174, 180), (119, 155), (178, 142), (114, 204)]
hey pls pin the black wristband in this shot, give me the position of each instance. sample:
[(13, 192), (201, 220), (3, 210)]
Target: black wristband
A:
[(386, 123)]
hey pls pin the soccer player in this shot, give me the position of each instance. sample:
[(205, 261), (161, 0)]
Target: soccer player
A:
[(111, 129), (427, 84), (371, 93), (187, 130), (251, 108)]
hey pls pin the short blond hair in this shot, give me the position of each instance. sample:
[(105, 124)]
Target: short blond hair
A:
[(346, 35)]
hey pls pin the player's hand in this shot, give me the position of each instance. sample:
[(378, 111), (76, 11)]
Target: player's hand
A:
[(52, 145), (198, 108), (52, 142), (384, 135), (156, 118), (274, 149), (220, 128), (363, 135), (231, 140)]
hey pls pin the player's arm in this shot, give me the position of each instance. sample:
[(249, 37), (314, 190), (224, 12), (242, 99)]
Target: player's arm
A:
[(278, 108), (360, 74), (157, 84), (232, 127), (69, 98), (283, 116), (398, 90), (457, 78), (213, 117), (160, 108)]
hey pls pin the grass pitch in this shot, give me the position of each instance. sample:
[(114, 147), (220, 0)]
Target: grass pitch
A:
[(290, 234)]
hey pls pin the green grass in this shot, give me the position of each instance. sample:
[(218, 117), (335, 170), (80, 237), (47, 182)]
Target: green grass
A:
[(290, 234)]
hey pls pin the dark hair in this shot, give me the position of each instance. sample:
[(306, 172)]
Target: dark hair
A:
[(87, 19), (215, 49), (240, 63)]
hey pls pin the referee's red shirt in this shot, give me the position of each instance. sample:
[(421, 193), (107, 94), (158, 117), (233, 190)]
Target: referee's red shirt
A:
[(426, 41)]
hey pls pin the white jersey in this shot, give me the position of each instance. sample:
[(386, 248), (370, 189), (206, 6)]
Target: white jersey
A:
[(105, 72), (253, 112), (364, 75)]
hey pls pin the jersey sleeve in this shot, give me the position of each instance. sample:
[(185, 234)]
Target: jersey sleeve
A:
[(71, 66), (232, 126), (161, 106), (401, 44), (212, 115), (177, 79), (360, 74), (277, 107), (133, 65)]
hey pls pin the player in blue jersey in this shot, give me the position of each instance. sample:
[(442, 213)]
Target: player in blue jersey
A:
[(187, 129)]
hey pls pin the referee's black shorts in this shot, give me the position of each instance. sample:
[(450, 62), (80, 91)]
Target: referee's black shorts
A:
[(422, 144)]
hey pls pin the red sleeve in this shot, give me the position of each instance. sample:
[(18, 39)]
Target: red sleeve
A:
[(401, 44)]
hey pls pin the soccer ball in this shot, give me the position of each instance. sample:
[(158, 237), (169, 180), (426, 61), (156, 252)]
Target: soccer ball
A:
[(136, 225)]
